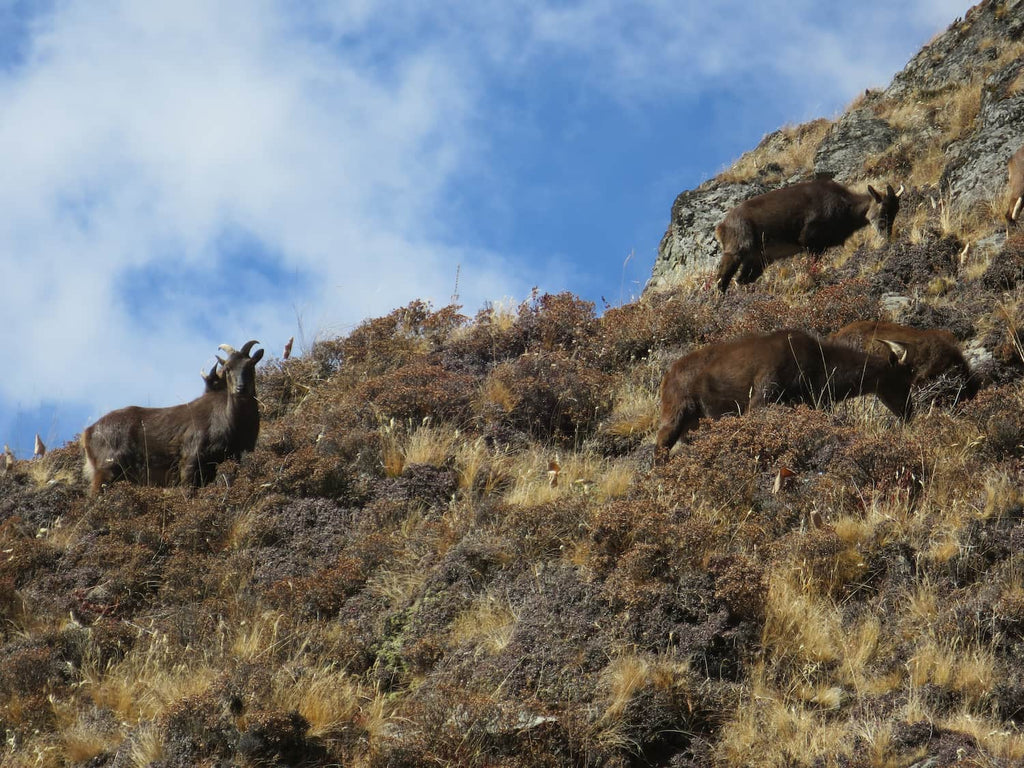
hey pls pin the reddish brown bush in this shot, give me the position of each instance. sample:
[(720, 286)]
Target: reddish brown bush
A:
[(834, 306), (418, 390), (1006, 270), (758, 313), (916, 264), (741, 584), (629, 333), (552, 395), (544, 323), (388, 342)]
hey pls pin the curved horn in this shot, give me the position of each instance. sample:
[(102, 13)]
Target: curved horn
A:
[(247, 346), (900, 191), (227, 348), (897, 349), (1016, 208)]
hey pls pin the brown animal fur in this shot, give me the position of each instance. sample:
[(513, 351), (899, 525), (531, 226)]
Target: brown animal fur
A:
[(930, 353), (813, 216), (1015, 173), (788, 366), (183, 443)]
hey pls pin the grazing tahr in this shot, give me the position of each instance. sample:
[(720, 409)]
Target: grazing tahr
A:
[(1015, 172), (788, 366), (812, 216), (183, 443), (929, 352)]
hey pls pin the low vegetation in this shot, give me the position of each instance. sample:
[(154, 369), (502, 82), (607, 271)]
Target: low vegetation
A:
[(451, 545)]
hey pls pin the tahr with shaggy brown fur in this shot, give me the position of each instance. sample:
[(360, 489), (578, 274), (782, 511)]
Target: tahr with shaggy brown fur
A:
[(812, 216), (788, 366), (182, 444), (931, 352)]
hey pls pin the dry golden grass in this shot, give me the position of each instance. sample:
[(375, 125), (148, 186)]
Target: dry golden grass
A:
[(431, 445), (256, 637), (487, 626), (147, 747), (328, 698), (960, 109), (928, 167), (626, 675), (800, 624), (969, 671), (635, 410), (244, 526), (616, 480), (82, 743), (1012, 51), (992, 734), (423, 443), (142, 684), (495, 392), (799, 144), (391, 456), (773, 728), (396, 585)]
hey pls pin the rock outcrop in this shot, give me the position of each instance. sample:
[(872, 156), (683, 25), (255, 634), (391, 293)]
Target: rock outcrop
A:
[(947, 125), (854, 138), (976, 169), (689, 245)]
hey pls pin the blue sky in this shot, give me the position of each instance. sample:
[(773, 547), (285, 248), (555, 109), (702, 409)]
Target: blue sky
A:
[(180, 175)]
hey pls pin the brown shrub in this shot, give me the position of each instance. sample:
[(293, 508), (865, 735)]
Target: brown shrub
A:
[(544, 323), (283, 384), (543, 530), (385, 343), (742, 584), (277, 737), (916, 264), (550, 395), (821, 559), (997, 414), (757, 313), (831, 307), (629, 333), (415, 391), (637, 537), (733, 461)]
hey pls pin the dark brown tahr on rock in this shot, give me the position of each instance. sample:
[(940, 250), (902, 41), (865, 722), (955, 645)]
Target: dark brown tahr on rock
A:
[(1015, 173), (812, 216), (183, 443), (930, 353), (788, 366)]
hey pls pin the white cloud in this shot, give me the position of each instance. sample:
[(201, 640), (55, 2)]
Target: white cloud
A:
[(136, 135)]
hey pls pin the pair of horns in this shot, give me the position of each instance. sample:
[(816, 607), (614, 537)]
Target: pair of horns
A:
[(244, 351), (213, 371)]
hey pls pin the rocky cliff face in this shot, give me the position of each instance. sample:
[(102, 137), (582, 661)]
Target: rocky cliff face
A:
[(946, 125)]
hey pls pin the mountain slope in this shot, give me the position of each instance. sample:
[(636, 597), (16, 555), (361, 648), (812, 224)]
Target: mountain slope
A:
[(450, 546)]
